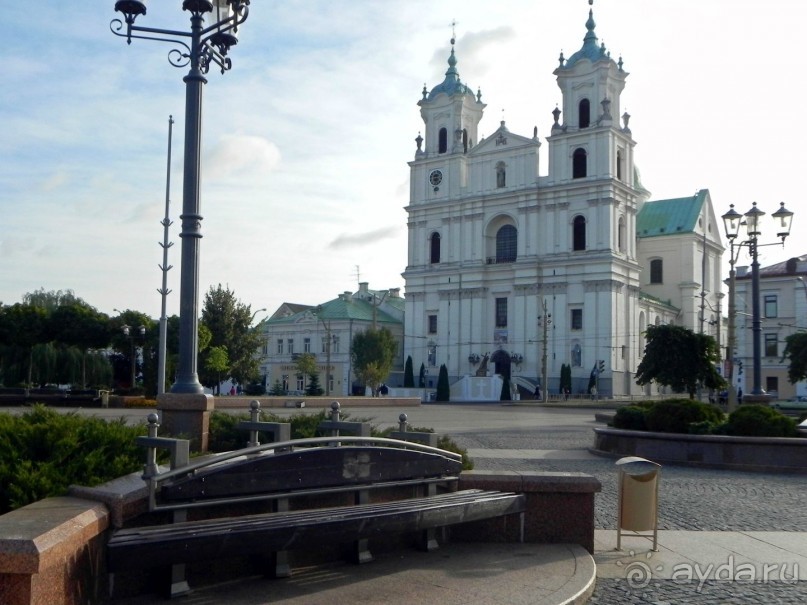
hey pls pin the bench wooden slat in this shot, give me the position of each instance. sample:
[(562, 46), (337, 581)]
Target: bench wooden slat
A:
[(140, 548)]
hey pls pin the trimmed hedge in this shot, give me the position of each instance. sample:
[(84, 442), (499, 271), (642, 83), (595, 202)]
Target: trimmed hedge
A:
[(676, 415), (697, 418), (753, 420), (630, 418)]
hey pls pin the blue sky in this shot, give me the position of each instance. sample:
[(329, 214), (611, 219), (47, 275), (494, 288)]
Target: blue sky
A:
[(306, 140)]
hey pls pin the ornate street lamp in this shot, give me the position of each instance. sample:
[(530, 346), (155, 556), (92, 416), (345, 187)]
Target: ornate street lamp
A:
[(213, 31), (127, 332), (732, 221)]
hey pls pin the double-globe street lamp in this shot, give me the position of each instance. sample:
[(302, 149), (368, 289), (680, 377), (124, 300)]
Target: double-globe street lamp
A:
[(127, 332), (214, 26), (732, 221)]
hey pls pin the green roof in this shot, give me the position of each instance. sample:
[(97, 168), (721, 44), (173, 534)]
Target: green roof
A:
[(341, 309), (670, 217)]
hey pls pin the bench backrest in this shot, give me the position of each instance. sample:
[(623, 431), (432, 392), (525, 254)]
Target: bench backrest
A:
[(295, 467), (307, 469)]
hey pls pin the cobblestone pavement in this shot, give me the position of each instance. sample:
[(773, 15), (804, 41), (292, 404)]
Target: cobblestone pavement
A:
[(691, 499), (612, 592)]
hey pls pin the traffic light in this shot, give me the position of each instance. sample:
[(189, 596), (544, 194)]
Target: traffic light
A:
[(601, 366)]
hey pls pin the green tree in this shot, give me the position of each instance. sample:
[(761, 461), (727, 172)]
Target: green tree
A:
[(505, 394), (313, 389), (565, 378), (681, 359), (82, 327), (24, 327), (217, 362), (372, 354), (409, 374), (796, 354), (229, 322), (306, 366), (443, 388), (51, 300), (277, 389)]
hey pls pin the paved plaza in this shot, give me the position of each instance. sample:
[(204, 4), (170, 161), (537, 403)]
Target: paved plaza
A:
[(712, 522), (697, 507)]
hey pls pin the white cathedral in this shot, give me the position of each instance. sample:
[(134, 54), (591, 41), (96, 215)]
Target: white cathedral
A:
[(507, 266)]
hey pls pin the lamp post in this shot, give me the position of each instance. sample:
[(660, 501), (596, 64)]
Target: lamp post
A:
[(127, 331), (213, 28), (732, 221)]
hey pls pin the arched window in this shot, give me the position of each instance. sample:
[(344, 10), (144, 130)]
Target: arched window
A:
[(501, 175), (434, 256), (579, 163), (577, 355), (442, 142), (465, 140), (584, 113), (619, 161), (579, 233), (506, 241), (656, 271), (620, 234)]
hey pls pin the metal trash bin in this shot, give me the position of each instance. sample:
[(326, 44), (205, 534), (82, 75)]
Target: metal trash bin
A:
[(637, 508)]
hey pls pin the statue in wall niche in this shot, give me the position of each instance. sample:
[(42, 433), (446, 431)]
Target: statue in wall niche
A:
[(483, 366)]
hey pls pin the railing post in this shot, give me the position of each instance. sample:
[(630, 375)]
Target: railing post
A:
[(150, 468), (254, 415)]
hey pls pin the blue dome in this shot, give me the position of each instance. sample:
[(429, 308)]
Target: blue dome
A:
[(452, 84), (590, 50)]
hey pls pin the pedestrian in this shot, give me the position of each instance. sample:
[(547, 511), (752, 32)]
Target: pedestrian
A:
[(232, 390)]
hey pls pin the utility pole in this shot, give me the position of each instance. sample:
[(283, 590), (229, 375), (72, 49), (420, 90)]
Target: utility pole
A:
[(546, 320), (327, 327)]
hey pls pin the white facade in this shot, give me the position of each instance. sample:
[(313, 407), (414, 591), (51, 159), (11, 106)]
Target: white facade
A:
[(491, 241), (783, 311), (326, 331)]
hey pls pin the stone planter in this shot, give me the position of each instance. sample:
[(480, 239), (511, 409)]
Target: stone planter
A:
[(770, 454)]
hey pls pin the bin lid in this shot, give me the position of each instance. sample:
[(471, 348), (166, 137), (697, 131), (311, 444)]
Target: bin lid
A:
[(634, 465)]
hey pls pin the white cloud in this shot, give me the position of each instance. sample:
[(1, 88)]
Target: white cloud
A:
[(306, 139), (238, 155)]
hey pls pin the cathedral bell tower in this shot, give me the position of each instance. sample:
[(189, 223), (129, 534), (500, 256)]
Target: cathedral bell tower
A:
[(451, 114), (587, 139)]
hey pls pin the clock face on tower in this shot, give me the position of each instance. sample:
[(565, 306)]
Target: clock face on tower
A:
[(435, 177)]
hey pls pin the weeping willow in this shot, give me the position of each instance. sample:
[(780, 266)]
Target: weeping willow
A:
[(54, 364)]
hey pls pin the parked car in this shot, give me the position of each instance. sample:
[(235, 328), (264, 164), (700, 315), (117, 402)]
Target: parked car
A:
[(799, 403)]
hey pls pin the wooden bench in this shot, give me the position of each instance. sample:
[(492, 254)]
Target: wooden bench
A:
[(337, 489)]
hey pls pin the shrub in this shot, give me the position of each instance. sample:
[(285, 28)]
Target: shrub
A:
[(443, 442), (675, 415), (705, 427), (43, 452), (760, 421), (630, 418), (224, 437)]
